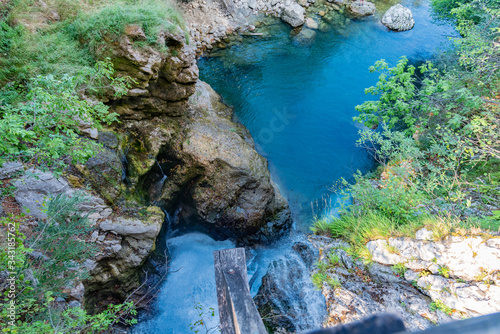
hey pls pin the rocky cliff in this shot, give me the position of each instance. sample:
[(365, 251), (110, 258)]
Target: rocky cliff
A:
[(182, 147)]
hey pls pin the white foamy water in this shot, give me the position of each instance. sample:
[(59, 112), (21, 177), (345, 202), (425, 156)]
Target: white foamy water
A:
[(191, 280)]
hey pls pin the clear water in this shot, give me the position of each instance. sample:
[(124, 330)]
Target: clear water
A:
[(298, 103)]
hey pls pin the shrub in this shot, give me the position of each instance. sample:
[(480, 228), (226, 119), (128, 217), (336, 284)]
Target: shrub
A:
[(43, 126)]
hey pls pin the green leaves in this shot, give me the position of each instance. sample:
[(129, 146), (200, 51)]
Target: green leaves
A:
[(44, 126)]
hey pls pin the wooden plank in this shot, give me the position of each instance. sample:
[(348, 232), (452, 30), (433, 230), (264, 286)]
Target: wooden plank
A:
[(237, 311)]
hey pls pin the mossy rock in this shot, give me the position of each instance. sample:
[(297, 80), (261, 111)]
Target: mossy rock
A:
[(105, 173)]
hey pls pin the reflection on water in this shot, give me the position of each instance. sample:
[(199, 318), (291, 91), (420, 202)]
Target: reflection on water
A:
[(298, 101)]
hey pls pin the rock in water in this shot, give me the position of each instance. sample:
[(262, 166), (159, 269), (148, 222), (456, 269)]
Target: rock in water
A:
[(361, 8), (398, 18), (305, 37), (294, 14), (311, 24)]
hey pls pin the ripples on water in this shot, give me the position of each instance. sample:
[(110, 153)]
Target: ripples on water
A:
[(298, 103)]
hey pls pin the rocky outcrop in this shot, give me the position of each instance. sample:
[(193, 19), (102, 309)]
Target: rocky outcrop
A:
[(398, 18), (123, 243), (182, 147), (361, 8), (208, 164), (354, 290), (460, 271), (294, 14)]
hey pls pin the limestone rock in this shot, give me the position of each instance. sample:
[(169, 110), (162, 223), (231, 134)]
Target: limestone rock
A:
[(9, 169), (423, 234), (361, 8), (294, 14), (367, 290), (398, 18), (311, 24), (442, 263), (104, 171), (211, 163), (35, 188)]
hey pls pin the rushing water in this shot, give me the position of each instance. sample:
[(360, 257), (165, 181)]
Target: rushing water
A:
[(298, 102)]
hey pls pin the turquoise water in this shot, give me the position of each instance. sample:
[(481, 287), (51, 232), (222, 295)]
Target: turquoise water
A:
[(298, 101)]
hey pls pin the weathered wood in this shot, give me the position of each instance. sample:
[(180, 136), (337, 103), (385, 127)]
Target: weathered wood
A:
[(237, 311)]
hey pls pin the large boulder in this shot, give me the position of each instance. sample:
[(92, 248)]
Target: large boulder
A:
[(294, 14), (398, 18), (361, 8), (207, 164)]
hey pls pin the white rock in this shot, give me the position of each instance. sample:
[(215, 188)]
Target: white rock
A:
[(381, 254), (398, 18), (423, 234), (294, 14), (311, 24)]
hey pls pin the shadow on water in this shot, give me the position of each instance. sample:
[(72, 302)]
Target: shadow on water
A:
[(298, 102)]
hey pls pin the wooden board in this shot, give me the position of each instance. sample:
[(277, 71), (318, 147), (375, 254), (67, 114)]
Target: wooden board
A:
[(237, 311)]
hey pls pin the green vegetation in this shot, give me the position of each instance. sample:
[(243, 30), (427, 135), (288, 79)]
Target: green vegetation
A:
[(39, 122), (61, 37), (439, 305), (42, 266), (111, 20), (438, 142), (53, 70), (399, 269)]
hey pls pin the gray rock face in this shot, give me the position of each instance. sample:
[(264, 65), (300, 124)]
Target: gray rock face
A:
[(294, 14), (35, 188), (462, 272), (361, 8), (398, 18), (185, 150), (211, 168), (9, 169), (124, 242), (367, 290)]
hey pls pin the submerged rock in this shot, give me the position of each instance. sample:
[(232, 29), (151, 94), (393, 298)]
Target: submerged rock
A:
[(305, 36), (398, 18), (294, 14), (361, 8), (311, 24)]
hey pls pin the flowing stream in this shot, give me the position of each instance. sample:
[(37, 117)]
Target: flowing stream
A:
[(297, 102)]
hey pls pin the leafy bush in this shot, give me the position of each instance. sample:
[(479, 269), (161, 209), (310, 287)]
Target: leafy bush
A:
[(43, 126)]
